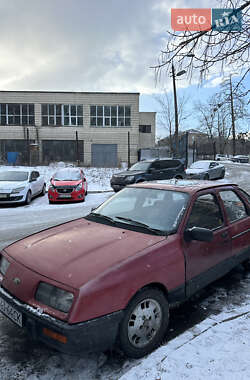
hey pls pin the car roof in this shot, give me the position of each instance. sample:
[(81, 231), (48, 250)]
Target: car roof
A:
[(13, 169), (189, 186), (161, 159)]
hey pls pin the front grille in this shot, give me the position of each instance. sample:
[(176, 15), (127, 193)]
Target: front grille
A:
[(64, 189), (12, 199)]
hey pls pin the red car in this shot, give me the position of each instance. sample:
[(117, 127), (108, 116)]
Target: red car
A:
[(68, 184), (110, 278)]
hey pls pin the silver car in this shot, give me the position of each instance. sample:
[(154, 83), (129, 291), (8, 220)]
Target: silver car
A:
[(206, 170), (20, 185)]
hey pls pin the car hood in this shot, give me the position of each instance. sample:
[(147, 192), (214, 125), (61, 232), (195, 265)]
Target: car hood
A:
[(73, 253), (9, 185), (129, 172)]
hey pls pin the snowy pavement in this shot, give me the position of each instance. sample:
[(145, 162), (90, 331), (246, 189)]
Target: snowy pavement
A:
[(217, 347)]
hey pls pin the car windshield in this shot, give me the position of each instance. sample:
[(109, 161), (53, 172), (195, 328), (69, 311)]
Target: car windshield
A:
[(67, 175), (157, 209), (14, 176), (141, 165), (199, 165)]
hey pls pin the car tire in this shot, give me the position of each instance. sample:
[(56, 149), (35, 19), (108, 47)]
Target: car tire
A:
[(206, 177), (86, 193), (51, 202), (178, 177), (43, 192), (145, 323), (222, 176), (246, 264), (28, 198)]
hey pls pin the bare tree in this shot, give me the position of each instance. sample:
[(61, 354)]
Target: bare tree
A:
[(216, 117), (166, 114), (206, 50)]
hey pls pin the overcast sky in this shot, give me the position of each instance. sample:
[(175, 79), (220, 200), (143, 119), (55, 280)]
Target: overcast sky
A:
[(86, 45)]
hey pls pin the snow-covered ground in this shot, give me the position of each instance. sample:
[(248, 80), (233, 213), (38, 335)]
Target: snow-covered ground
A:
[(216, 348)]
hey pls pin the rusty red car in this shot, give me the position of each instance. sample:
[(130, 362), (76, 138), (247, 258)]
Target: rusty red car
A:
[(111, 278)]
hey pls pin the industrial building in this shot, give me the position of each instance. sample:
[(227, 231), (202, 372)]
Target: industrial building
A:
[(101, 129)]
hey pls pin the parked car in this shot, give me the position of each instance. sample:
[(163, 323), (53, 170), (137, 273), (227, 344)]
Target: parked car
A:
[(20, 185), (206, 170), (240, 158), (148, 170), (68, 184), (221, 157), (110, 278)]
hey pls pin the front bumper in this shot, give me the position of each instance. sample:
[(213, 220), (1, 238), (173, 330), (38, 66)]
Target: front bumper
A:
[(94, 335), (13, 198), (117, 187), (69, 197)]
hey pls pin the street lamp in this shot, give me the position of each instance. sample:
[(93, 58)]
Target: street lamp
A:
[(176, 132)]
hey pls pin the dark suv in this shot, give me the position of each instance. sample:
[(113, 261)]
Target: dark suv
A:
[(149, 170)]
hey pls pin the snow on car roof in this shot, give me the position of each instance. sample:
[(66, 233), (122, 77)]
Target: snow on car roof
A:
[(183, 185)]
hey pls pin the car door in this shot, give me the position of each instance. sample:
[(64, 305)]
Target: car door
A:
[(239, 223), (156, 171), (206, 261), (213, 170), (34, 184)]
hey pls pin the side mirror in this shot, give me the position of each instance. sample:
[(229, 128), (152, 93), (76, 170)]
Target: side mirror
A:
[(198, 233)]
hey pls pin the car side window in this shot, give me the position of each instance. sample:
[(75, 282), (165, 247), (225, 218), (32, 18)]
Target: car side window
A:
[(205, 213), (156, 165), (234, 206)]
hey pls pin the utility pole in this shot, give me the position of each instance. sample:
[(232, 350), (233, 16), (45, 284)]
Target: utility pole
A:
[(176, 132), (232, 114)]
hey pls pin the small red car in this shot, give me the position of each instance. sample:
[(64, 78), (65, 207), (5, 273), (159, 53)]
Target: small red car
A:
[(68, 184), (111, 278)]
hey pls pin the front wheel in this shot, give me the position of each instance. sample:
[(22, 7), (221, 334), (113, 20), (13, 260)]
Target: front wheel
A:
[(246, 264), (28, 198), (145, 323)]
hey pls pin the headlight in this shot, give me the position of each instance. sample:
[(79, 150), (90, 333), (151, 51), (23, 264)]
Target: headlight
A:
[(130, 179), (17, 190), (4, 265), (78, 187), (55, 297), (52, 188)]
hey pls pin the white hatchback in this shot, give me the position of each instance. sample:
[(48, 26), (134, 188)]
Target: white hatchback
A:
[(20, 185)]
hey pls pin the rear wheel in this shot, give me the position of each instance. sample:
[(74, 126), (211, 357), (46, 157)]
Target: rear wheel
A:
[(145, 323), (222, 175), (43, 192)]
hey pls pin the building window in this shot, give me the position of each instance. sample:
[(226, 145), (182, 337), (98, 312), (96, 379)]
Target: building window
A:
[(145, 128), (110, 116), (17, 114), (62, 114)]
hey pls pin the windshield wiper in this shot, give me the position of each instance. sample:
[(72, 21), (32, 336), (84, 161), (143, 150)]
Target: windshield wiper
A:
[(103, 217), (140, 224)]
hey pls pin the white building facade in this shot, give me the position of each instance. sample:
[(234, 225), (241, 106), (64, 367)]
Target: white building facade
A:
[(92, 128)]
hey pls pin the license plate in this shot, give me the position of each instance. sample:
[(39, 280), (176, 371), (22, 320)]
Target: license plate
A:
[(3, 195), (11, 312), (65, 196)]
